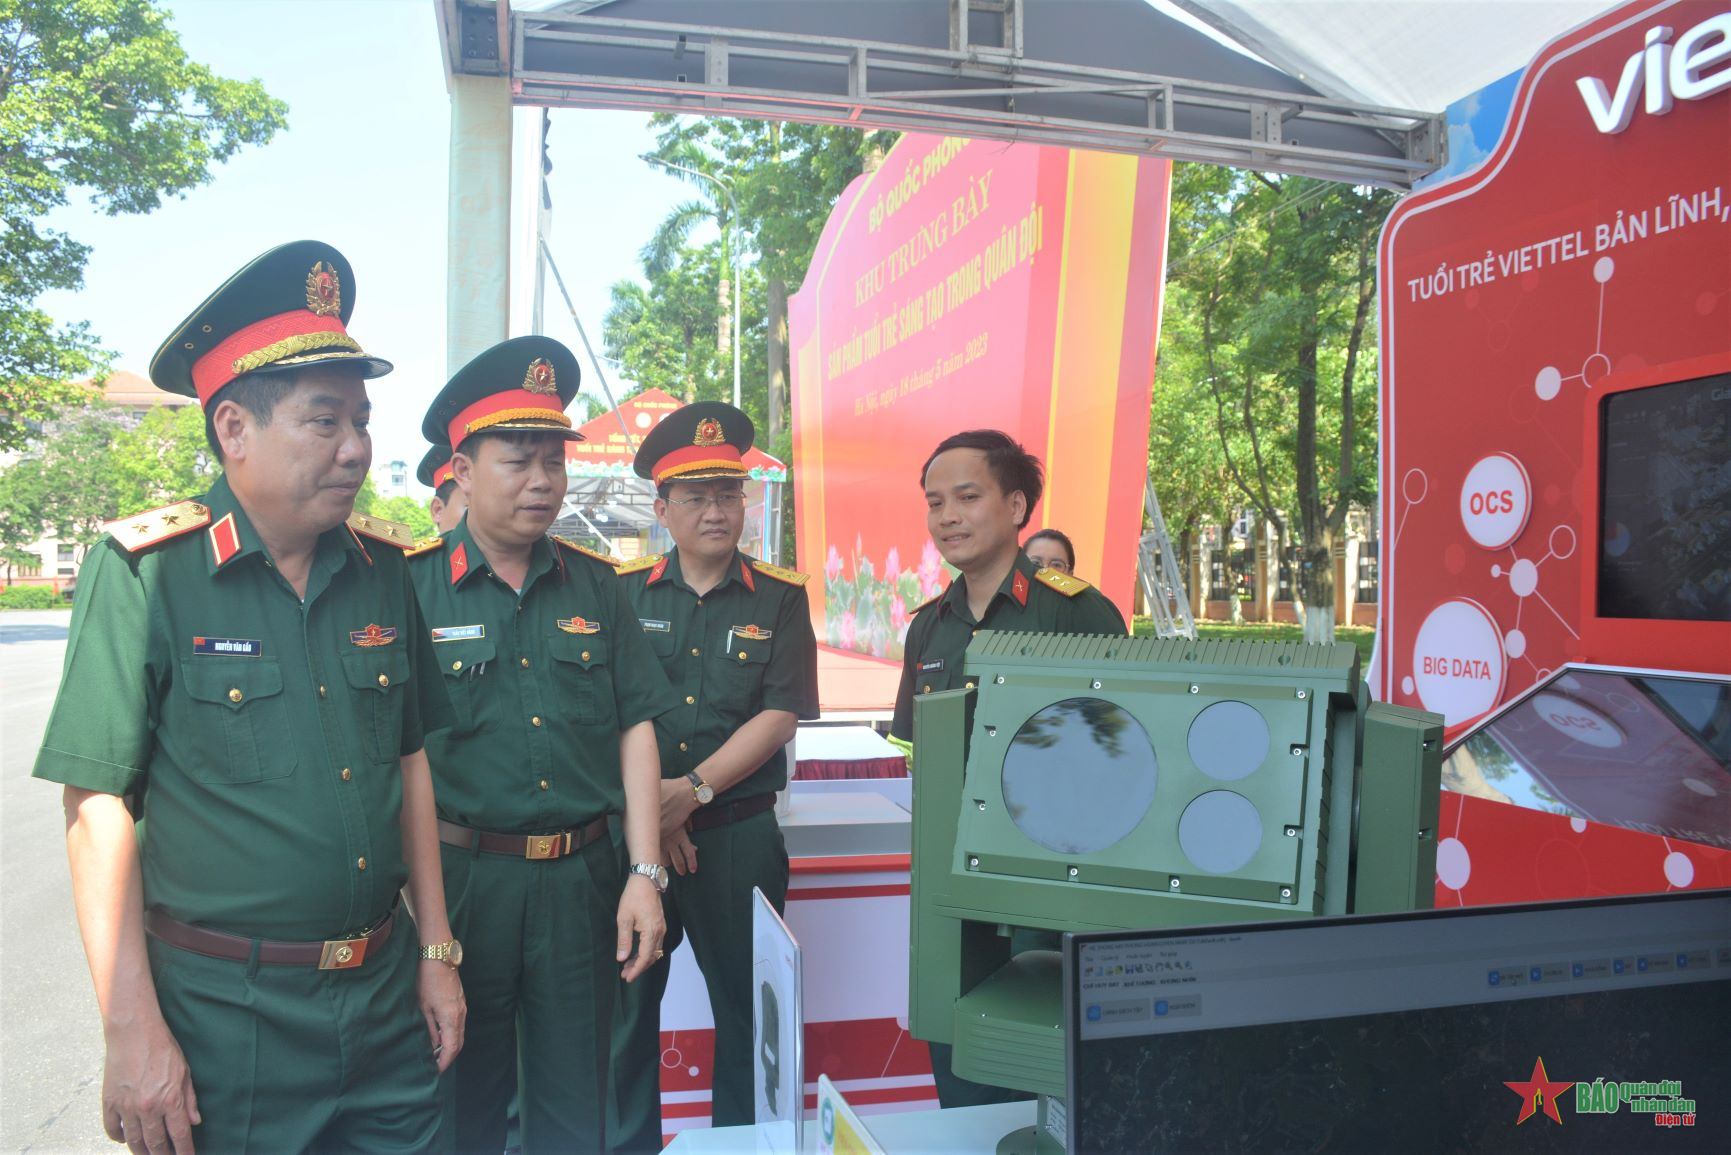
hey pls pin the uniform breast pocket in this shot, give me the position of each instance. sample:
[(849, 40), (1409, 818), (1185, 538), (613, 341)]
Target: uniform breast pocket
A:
[(583, 676), (378, 680), (240, 730), (464, 665), (735, 674)]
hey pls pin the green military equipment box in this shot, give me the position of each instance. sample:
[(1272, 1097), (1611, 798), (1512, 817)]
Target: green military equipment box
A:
[(1096, 783)]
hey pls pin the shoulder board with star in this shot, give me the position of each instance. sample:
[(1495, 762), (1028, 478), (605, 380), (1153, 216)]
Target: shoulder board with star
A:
[(639, 563), (791, 576), (1062, 582), (393, 532), (427, 546), (586, 551), (154, 526)]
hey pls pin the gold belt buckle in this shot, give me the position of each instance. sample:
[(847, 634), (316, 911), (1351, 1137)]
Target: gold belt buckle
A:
[(340, 954), (544, 847)]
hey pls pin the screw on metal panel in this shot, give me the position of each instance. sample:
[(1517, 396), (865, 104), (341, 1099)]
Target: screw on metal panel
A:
[(1194, 688), (1292, 832), (991, 731), (1096, 684), (1303, 694), (1428, 743), (1297, 750), (1286, 892), (999, 679), (1173, 883), (980, 802), (973, 864), (1074, 872), (1424, 834)]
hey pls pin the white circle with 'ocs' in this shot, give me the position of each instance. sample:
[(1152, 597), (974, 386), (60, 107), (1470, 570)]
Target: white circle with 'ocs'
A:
[(1496, 500), (1577, 720)]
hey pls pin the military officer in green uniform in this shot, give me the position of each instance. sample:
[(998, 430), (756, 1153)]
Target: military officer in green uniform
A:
[(981, 489), (250, 669), (448, 503), (734, 635), (553, 688)]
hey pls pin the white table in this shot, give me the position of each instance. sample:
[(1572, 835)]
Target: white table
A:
[(960, 1129)]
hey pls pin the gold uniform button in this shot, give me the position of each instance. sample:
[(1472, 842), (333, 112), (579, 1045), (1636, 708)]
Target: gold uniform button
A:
[(360, 864), (585, 655), (689, 700), (235, 695), (684, 747), (970, 685), (384, 679), (346, 774), (457, 665), (699, 601), (695, 651), (543, 784), (321, 691), (925, 689), (535, 721), (742, 655), (524, 662)]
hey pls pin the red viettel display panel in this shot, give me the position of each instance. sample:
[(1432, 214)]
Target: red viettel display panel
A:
[(1556, 340)]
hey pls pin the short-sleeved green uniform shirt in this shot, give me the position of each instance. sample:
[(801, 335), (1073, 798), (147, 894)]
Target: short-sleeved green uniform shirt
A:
[(264, 730), (541, 683), (1030, 599), (744, 647)]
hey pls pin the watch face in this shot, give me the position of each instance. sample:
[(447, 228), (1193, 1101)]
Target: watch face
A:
[(456, 953), (706, 794)]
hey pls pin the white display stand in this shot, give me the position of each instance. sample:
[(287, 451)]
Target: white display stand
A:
[(958, 1130)]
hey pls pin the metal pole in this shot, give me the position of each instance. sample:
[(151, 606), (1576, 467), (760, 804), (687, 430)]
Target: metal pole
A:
[(733, 257)]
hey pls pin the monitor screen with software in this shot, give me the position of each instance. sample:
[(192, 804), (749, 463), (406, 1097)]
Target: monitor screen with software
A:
[(1429, 1031)]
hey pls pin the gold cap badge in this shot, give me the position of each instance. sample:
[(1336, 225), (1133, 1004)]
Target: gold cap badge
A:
[(324, 290), (539, 378), (709, 433)]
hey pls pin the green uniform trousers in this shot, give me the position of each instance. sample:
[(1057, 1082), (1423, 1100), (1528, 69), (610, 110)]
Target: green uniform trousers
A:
[(713, 907), (293, 1059), (538, 974)]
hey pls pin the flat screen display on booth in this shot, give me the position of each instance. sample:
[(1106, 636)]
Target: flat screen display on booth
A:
[(1581, 1026), (1665, 513), (1643, 751)]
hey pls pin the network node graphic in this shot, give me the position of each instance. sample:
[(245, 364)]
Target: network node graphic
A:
[(1549, 380), (1523, 578)]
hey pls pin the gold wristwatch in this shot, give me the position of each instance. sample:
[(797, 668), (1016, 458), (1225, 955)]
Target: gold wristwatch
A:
[(445, 952), (703, 791)]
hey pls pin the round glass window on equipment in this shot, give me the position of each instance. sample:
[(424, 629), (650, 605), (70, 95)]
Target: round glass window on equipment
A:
[(1079, 776)]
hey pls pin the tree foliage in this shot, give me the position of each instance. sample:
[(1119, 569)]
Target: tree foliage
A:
[(1269, 325), (98, 96)]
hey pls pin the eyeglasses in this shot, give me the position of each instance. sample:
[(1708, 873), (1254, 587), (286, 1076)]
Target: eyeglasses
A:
[(726, 502)]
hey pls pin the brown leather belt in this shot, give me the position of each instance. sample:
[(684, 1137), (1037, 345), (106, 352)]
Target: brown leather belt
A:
[(711, 816), (539, 847), (334, 954)]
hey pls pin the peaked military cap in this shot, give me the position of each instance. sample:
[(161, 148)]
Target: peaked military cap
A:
[(523, 383), (698, 442), (435, 467), (286, 309)]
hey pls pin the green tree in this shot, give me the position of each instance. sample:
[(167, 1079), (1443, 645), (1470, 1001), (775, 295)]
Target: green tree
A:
[(410, 512), (23, 516), (99, 96), (80, 477), (163, 459)]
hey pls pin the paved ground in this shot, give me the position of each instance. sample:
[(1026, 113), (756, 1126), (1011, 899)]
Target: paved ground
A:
[(51, 1060)]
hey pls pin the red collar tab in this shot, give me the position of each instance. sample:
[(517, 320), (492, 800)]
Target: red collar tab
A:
[(745, 576), (656, 573), (459, 562), (224, 540), (1019, 588)]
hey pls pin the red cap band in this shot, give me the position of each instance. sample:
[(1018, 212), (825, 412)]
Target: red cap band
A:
[(443, 474), (511, 405), (691, 458), (297, 331)]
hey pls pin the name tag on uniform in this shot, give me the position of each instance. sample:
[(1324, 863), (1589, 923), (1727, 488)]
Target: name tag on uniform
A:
[(228, 647), (931, 667), (458, 633), (656, 626)]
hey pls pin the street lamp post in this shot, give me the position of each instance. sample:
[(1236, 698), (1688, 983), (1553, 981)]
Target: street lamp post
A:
[(733, 257)]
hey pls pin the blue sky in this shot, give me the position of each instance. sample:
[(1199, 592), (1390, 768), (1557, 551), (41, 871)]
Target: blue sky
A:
[(362, 165)]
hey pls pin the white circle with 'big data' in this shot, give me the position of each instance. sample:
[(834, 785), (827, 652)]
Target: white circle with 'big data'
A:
[(1496, 499), (1458, 662)]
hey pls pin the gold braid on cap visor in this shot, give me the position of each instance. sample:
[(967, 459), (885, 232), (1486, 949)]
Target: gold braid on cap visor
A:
[(685, 467), (291, 346), (550, 416)]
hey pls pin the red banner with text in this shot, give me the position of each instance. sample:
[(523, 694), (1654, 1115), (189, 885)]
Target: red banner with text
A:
[(964, 285)]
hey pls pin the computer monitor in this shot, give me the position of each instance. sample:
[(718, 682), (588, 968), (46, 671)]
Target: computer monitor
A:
[(1489, 1028)]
